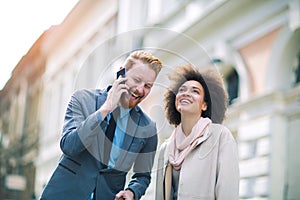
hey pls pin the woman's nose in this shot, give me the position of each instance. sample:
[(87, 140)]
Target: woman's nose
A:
[(186, 93)]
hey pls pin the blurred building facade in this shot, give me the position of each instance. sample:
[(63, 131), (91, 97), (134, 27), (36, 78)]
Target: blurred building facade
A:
[(20, 123), (254, 44)]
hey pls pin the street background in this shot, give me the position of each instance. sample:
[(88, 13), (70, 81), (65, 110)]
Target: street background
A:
[(253, 43)]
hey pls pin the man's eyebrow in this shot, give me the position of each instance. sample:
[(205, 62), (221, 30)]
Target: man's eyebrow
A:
[(149, 84)]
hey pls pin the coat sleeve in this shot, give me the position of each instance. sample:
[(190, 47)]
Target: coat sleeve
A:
[(80, 129), (227, 186)]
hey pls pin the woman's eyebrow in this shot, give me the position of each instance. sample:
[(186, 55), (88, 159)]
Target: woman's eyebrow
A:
[(195, 87)]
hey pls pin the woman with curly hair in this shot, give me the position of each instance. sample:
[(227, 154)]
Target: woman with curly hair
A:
[(200, 159)]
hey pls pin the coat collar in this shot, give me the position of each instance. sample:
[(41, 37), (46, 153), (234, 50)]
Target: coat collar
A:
[(212, 132)]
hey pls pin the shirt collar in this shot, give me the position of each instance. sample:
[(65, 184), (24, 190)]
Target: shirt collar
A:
[(124, 112)]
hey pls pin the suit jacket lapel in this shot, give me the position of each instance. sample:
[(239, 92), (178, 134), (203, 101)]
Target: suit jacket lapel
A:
[(133, 122), (132, 125), (131, 129)]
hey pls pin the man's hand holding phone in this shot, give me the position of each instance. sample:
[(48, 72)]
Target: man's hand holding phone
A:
[(122, 73), (118, 88)]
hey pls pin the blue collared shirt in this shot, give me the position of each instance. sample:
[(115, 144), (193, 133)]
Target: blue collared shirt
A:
[(119, 136)]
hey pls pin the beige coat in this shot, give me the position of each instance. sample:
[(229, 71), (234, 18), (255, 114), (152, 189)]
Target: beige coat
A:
[(209, 172)]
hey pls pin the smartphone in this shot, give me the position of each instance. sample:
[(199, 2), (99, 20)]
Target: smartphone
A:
[(121, 72)]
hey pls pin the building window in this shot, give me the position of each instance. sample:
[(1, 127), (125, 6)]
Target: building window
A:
[(232, 82), (297, 69), (231, 78)]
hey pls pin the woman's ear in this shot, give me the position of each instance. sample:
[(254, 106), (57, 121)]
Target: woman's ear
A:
[(204, 106)]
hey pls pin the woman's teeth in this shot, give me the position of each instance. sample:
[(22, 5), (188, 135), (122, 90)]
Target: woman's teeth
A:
[(184, 101)]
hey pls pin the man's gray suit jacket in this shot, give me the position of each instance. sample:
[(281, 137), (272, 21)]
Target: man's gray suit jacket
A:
[(80, 171)]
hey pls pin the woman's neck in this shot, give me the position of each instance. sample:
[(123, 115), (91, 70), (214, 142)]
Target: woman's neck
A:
[(188, 122)]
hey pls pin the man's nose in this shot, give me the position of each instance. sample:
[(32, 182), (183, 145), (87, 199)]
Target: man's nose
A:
[(140, 87)]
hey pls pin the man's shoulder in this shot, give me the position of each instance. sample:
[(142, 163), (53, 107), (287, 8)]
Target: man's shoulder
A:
[(145, 118), (85, 93)]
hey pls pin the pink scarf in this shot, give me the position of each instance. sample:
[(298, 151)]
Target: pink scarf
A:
[(181, 145)]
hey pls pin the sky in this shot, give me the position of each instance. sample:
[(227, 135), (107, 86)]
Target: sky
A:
[(22, 22)]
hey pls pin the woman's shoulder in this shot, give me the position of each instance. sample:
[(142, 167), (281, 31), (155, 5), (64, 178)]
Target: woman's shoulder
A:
[(221, 131), (218, 127)]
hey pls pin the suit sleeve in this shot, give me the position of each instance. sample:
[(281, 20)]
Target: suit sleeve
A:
[(141, 177), (79, 131)]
